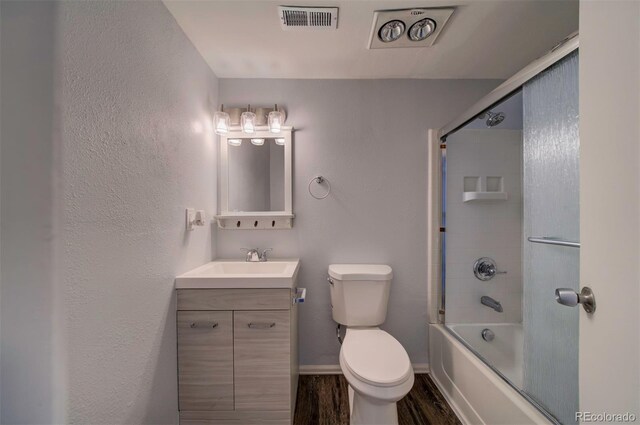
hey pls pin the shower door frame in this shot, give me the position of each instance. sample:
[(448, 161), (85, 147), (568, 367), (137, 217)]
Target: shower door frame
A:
[(436, 242)]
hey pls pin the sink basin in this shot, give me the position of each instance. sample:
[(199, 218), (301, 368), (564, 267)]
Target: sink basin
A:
[(241, 274), (245, 268)]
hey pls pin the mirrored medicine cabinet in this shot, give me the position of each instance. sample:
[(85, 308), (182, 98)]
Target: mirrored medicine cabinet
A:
[(255, 180)]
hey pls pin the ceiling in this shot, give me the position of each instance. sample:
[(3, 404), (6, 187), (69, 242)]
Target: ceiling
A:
[(483, 39)]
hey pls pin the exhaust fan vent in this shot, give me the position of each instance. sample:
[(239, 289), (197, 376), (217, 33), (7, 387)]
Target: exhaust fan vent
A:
[(308, 17)]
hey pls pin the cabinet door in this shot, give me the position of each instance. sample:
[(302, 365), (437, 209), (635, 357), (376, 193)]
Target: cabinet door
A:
[(262, 360), (205, 360)]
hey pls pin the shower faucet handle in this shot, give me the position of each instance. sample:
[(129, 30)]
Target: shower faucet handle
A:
[(485, 269)]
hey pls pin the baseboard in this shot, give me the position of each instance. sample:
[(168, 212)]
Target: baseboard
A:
[(420, 367), (320, 369), (330, 369)]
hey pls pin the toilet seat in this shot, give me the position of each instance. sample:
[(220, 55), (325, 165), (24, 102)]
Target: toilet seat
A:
[(375, 357)]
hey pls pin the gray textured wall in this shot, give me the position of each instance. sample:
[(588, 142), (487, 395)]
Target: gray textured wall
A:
[(368, 137), (106, 139), (138, 149)]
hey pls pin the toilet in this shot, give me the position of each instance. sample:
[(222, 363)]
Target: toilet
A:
[(374, 363)]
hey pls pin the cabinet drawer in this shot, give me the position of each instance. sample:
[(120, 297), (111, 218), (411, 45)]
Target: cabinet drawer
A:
[(262, 366), (205, 360), (234, 299)]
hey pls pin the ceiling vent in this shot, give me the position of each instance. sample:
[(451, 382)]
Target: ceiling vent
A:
[(292, 17), (408, 27)]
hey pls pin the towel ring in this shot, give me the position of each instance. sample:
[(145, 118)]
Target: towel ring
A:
[(319, 180)]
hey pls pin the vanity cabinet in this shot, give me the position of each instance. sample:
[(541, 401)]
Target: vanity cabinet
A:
[(205, 353), (261, 360), (237, 356)]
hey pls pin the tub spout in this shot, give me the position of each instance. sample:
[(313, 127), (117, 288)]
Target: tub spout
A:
[(490, 302)]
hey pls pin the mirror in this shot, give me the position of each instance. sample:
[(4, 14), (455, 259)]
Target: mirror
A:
[(255, 180), (256, 176)]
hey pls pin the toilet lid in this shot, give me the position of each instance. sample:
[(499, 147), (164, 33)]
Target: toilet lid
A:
[(360, 271), (376, 357)]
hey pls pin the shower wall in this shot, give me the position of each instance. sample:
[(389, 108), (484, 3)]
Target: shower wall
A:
[(483, 229), (551, 209)]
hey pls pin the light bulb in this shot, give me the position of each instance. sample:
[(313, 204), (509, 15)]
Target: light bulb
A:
[(248, 122), (422, 29), (221, 122), (257, 142), (280, 141), (276, 119), (234, 142), (391, 31)]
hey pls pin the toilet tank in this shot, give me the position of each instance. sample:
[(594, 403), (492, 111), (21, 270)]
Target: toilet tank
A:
[(359, 293)]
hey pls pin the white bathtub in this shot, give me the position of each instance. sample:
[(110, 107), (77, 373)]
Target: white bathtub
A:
[(504, 352), (477, 393)]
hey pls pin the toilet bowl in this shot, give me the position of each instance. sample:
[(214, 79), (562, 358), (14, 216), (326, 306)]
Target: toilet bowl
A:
[(374, 363), (379, 374)]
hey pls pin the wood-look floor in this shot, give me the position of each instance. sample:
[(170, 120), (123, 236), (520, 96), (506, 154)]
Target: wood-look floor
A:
[(324, 400)]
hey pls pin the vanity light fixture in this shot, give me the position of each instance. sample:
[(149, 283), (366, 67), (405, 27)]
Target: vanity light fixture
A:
[(257, 142), (221, 121), (234, 142), (237, 122), (276, 119), (280, 141), (248, 121)]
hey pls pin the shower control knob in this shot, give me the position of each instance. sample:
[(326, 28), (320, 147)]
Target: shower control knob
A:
[(570, 298), (485, 269)]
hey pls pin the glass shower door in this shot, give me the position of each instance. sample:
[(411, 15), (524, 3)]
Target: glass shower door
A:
[(511, 238), (551, 212)]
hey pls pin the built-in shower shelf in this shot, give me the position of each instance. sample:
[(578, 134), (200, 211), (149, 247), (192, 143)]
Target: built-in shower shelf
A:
[(484, 196), (484, 188)]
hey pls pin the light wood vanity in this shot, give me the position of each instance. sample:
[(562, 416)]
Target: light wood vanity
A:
[(237, 354)]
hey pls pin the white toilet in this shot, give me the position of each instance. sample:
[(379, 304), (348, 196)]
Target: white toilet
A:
[(374, 363)]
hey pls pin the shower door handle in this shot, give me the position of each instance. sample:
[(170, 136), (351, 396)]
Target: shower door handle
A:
[(570, 298)]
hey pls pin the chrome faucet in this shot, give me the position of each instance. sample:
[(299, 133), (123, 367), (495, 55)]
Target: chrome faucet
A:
[(254, 255), (490, 302)]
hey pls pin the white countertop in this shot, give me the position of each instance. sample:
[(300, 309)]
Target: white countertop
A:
[(274, 273)]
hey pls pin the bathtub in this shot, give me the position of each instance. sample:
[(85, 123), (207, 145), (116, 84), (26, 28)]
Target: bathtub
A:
[(504, 352), (476, 393)]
